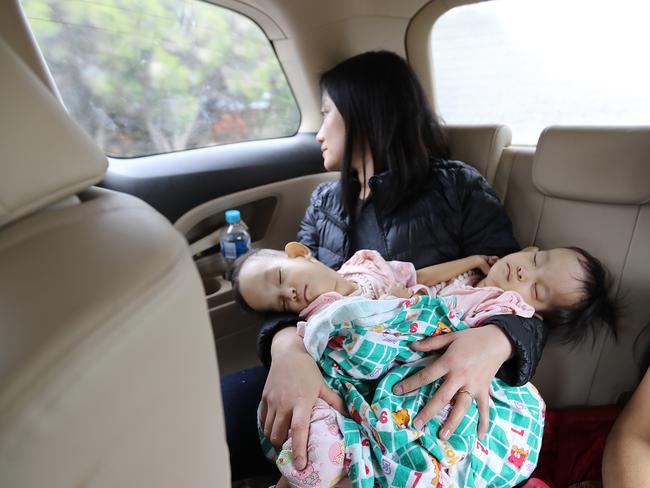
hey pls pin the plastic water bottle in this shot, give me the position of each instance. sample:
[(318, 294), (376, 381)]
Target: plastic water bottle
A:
[(236, 240)]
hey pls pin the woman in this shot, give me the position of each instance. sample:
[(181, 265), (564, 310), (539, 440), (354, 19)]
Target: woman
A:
[(398, 194)]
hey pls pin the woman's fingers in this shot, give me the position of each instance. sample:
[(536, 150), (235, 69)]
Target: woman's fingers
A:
[(299, 435), (280, 429), (333, 399), (433, 343), (431, 373), (435, 404), (470, 361), (437, 369), (483, 404), (462, 402), (268, 422), (292, 386), (264, 407)]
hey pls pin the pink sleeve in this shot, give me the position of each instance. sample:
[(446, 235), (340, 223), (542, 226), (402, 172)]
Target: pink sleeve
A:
[(319, 304), (363, 257), (403, 272), (508, 302), (374, 266)]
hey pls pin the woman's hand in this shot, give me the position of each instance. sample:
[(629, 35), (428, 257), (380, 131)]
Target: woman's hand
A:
[(293, 385), (472, 358)]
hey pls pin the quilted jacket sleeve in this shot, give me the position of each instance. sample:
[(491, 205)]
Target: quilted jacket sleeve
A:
[(271, 325), (528, 336)]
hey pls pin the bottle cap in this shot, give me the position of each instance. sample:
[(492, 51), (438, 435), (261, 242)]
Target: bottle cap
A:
[(232, 216)]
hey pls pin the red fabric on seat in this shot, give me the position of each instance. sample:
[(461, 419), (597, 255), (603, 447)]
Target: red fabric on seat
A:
[(573, 444), (534, 483)]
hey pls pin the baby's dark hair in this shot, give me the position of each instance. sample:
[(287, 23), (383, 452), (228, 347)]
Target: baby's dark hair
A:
[(236, 269), (595, 307)]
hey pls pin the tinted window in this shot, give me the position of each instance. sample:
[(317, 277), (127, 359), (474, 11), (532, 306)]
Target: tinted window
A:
[(152, 76)]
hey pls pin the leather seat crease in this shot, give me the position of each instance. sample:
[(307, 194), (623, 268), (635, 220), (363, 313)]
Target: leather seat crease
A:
[(588, 187)]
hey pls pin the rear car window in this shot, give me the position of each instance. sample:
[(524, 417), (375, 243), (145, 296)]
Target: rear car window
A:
[(152, 76), (535, 63)]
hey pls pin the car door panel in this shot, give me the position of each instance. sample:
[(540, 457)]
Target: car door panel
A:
[(174, 183), (273, 213)]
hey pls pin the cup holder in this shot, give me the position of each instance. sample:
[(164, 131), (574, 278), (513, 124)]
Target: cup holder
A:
[(211, 268), (211, 284)]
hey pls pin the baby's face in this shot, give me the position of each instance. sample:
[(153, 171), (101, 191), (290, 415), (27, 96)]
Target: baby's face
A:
[(284, 284), (547, 280)]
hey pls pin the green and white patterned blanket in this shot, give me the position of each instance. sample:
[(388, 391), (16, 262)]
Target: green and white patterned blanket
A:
[(362, 348)]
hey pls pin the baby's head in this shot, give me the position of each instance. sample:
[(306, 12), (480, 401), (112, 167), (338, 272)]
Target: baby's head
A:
[(567, 286), (266, 280)]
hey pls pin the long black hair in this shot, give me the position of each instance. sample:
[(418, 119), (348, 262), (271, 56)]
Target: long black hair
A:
[(385, 111)]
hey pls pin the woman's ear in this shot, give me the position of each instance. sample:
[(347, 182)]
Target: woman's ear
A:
[(297, 250)]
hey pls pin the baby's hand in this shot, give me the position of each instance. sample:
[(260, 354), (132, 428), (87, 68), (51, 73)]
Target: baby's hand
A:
[(484, 263), (399, 291)]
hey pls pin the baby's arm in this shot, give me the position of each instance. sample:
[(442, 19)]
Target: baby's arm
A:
[(432, 275)]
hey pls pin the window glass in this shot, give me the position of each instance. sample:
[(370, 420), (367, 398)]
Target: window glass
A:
[(534, 63), (152, 76)]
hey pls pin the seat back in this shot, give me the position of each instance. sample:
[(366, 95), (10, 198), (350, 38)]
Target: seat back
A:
[(108, 373), (480, 146), (589, 187)]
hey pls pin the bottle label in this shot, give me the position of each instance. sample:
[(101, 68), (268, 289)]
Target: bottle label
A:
[(232, 250)]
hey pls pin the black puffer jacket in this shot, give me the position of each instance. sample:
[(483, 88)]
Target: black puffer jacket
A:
[(456, 214)]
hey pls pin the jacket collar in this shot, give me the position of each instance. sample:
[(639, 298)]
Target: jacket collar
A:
[(331, 204), (381, 186)]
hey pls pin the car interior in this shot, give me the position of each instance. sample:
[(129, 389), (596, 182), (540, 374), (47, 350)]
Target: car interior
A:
[(116, 320)]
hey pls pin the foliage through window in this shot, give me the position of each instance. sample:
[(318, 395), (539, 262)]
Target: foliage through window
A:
[(151, 76), (535, 63)]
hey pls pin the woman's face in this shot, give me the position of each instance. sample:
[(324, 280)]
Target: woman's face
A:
[(331, 135)]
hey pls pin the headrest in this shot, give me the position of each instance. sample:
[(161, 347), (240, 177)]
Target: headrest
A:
[(45, 156), (594, 164), (479, 145)]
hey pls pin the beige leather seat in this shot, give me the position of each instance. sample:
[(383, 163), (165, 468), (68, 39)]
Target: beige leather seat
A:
[(108, 372), (589, 187), (480, 146)]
